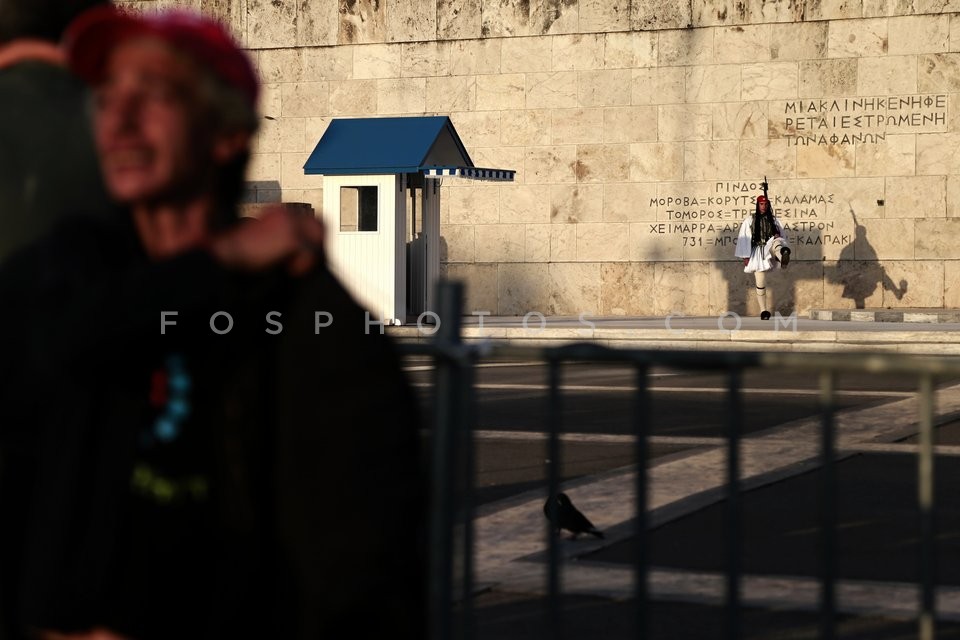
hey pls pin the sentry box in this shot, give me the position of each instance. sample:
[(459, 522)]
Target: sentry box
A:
[(381, 206)]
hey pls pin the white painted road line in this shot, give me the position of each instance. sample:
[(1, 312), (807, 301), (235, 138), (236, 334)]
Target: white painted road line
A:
[(629, 389)]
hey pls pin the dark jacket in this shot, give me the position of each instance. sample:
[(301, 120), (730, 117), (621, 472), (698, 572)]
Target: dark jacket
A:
[(308, 440)]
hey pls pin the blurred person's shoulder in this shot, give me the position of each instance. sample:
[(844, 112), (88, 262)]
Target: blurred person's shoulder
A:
[(76, 241)]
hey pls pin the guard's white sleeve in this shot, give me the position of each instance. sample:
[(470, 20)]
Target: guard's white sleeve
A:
[(743, 240)]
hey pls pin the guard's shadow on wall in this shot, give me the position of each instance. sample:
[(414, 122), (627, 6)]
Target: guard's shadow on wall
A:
[(860, 272)]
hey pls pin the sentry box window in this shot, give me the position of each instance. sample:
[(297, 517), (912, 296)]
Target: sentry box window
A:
[(358, 209)]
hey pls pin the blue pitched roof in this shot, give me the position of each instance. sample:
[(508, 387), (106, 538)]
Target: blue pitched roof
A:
[(354, 146)]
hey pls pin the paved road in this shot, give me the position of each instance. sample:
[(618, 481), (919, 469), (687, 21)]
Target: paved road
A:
[(877, 495)]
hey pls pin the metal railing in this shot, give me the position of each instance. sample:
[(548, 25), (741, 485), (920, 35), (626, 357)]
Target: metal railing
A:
[(452, 511)]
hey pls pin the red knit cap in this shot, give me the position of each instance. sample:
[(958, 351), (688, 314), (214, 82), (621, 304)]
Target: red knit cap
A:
[(95, 33)]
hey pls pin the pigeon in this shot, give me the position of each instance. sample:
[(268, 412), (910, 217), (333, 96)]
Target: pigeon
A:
[(568, 517)]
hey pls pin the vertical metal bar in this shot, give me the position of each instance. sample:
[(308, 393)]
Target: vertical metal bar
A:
[(448, 411), (641, 430), (925, 488), (828, 509), (733, 507), (554, 627), (467, 400)]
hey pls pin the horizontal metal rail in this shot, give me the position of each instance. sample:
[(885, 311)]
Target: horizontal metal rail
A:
[(455, 360)]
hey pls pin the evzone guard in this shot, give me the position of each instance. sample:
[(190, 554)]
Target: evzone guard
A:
[(762, 246)]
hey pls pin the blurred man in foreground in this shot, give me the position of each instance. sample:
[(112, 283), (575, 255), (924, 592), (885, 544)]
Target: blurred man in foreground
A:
[(47, 164), (212, 462)]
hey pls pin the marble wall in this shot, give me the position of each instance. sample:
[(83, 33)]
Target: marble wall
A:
[(640, 131)]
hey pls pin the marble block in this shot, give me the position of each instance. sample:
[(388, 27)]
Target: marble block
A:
[(304, 99), (401, 95), (504, 18), (458, 19), (551, 164), (577, 51), (742, 44), (353, 97), (646, 246), (554, 17), (820, 78), (563, 243), (939, 73), (410, 20), (864, 196), (604, 242), (475, 57), (711, 160), (318, 22), (458, 243), (424, 59), (936, 238), (629, 124), (953, 196), (771, 158), (924, 280), (629, 49), (629, 201), (526, 55), (713, 83), (362, 21), (570, 126), (604, 15), (893, 156), (856, 38), (602, 162), (881, 239), (825, 161), (888, 75), (522, 288), (574, 289), (770, 81), (473, 205), (449, 94), (555, 90), (499, 243), (658, 86), (918, 34), (524, 203), (680, 288), (686, 47), (625, 288), (938, 154), (660, 14), (685, 122), (576, 203), (536, 242), (799, 40), (529, 127), (376, 61), (271, 23), (477, 128), (604, 88), (740, 120), (327, 63), (656, 161), (833, 9), (481, 286)]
